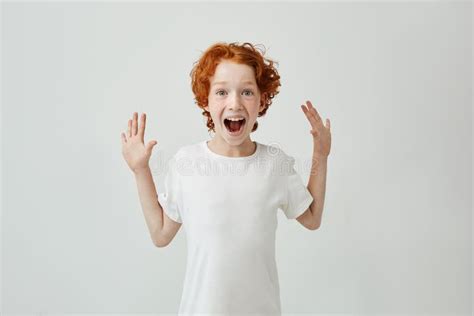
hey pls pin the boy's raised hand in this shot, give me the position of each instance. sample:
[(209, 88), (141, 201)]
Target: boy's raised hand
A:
[(136, 154), (321, 134)]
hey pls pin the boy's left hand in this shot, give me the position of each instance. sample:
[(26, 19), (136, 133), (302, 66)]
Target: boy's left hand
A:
[(321, 134)]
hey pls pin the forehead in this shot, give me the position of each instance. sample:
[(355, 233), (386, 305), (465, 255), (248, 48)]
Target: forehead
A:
[(230, 72)]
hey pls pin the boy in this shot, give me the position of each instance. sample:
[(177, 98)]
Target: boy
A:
[(229, 207)]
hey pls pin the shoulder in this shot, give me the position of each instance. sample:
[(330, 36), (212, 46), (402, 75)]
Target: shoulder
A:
[(275, 152), (189, 156), (178, 163), (276, 158), (189, 150)]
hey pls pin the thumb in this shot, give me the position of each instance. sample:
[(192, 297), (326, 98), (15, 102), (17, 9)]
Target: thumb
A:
[(150, 145)]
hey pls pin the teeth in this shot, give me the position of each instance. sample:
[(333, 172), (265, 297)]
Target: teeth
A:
[(235, 119)]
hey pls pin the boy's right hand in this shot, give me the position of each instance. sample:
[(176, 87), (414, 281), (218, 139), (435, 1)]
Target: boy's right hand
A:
[(136, 154)]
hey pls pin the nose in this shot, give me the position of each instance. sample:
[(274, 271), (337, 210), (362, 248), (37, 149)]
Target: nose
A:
[(234, 103)]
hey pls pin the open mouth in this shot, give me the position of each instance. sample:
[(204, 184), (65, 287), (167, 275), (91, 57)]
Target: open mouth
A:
[(234, 127)]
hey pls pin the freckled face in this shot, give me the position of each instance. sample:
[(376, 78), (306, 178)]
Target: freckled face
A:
[(233, 92)]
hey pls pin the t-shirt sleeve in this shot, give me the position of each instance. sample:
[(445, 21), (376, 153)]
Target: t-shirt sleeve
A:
[(169, 193), (297, 196)]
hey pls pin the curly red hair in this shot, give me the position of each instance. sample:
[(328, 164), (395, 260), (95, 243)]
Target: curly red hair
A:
[(266, 76)]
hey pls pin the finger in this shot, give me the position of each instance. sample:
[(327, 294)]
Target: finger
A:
[(305, 110), (314, 132), (311, 117), (134, 124), (129, 129), (141, 128), (328, 124), (124, 138), (150, 145), (313, 110)]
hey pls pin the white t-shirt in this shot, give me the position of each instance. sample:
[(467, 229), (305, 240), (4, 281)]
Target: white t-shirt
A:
[(228, 207)]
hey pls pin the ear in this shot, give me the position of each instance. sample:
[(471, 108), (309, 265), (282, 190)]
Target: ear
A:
[(263, 100)]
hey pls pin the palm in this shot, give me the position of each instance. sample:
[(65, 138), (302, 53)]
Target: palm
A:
[(134, 151), (321, 134)]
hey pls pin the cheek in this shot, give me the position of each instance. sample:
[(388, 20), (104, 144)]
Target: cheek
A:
[(216, 114), (254, 112)]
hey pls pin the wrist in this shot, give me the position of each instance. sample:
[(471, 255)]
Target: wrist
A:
[(141, 171), (320, 157)]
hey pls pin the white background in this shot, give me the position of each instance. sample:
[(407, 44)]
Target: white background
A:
[(393, 78)]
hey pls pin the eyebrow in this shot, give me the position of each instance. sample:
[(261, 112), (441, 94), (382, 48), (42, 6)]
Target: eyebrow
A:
[(219, 82)]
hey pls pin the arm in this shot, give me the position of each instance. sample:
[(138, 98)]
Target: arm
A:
[(149, 202), (162, 229), (317, 180), (317, 188)]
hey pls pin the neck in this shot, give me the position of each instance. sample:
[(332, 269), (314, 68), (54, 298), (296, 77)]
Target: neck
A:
[(221, 147)]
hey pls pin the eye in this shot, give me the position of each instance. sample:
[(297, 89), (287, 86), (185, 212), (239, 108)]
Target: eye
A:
[(246, 91)]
